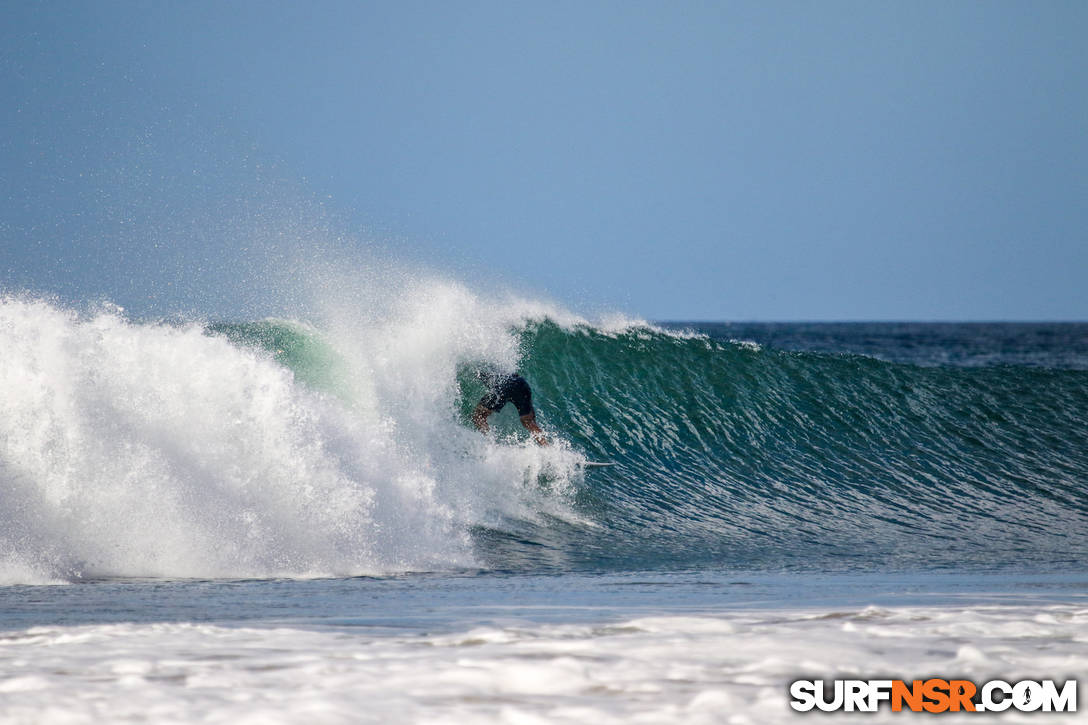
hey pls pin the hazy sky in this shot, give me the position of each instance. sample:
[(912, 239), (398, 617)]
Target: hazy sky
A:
[(674, 160)]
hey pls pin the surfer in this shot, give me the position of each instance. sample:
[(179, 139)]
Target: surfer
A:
[(503, 388)]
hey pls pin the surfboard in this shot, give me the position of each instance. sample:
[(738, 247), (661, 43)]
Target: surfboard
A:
[(597, 464)]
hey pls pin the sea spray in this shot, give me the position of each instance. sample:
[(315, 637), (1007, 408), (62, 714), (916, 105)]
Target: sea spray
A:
[(163, 450)]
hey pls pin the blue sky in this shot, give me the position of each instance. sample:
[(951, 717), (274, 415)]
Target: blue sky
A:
[(674, 160)]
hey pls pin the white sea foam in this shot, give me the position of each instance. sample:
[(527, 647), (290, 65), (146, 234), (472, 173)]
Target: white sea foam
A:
[(728, 667), (159, 450)]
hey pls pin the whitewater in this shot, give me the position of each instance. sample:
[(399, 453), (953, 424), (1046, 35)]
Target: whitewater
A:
[(163, 450), (291, 518)]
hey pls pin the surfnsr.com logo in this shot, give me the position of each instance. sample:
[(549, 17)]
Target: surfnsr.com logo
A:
[(933, 695)]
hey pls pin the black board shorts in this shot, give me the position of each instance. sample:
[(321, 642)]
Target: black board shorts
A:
[(512, 389)]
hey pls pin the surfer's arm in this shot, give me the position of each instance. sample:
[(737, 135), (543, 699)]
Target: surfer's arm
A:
[(479, 417), (529, 421)]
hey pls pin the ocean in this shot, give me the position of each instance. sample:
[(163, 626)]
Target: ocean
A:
[(292, 519)]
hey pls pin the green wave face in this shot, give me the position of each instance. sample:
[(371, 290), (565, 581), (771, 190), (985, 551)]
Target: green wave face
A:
[(742, 455)]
